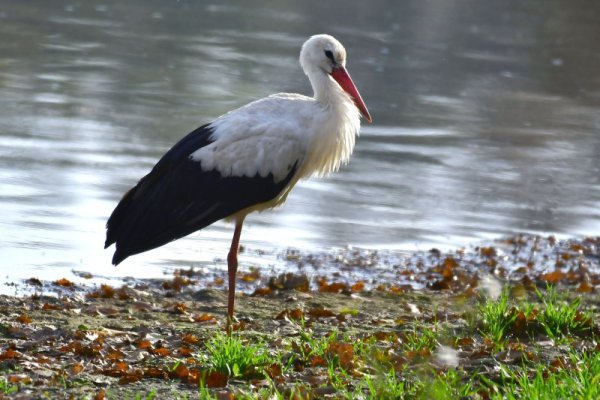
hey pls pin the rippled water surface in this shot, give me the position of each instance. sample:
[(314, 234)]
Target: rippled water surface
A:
[(486, 122)]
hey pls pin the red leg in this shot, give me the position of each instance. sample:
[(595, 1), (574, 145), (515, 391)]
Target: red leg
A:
[(232, 265)]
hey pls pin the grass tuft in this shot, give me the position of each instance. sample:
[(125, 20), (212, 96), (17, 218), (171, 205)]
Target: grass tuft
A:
[(389, 386), (419, 338), (560, 318), (578, 380), (7, 387), (230, 355), (497, 318)]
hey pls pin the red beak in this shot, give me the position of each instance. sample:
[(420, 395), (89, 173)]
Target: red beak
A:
[(342, 77)]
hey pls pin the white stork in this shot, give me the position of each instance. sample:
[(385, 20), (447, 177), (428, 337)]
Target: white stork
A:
[(246, 160)]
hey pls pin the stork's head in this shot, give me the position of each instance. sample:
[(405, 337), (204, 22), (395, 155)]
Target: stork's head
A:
[(324, 54)]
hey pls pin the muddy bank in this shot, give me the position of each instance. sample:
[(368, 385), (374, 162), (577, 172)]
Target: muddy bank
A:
[(143, 338)]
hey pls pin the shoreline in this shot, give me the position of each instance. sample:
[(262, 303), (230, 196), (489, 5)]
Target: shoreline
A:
[(101, 341)]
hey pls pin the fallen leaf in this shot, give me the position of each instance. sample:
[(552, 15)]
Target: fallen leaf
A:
[(10, 354), (214, 379), (144, 345), (251, 276), (291, 314), (344, 352), (131, 377), (181, 371), (265, 291), (76, 368), (584, 287), (185, 351), (177, 283), (553, 277), (335, 287), (317, 361), (488, 252), (115, 355), (465, 341), (448, 265), (180, 308), (296, 313), (64, 282), (520, 321), (205, 318), (107, 291), (163, 352), (318, 312), (219, 281), (19, 378), (273, 370), (155, 372), (239, 326), (190, 339), (24, 319), (48, 307)]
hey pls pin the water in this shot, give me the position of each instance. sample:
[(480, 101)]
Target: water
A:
[(485, 116)]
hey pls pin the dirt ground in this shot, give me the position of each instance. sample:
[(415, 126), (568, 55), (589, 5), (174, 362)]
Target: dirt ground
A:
[(66, 341)]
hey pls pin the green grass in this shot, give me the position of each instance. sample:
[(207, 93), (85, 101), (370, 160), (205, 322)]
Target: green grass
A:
[(205, 394), (449, 385), (419, 338), (389, 386), (230, 355), (151, 395), (497, 317), (559, 317), (317, 346), (579, 379), (7, 387)]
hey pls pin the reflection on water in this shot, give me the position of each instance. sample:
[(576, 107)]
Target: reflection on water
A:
[(486, 121)]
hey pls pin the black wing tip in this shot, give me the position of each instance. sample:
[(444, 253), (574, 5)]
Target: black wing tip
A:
[(118, 257)]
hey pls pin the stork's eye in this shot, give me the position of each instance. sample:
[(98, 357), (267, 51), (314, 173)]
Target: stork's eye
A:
[(329, 54)]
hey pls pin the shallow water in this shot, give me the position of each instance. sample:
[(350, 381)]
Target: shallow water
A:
[(485, 116)]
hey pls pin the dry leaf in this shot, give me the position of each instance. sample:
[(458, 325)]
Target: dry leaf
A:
[(190, 339), (344, 352), (320, 313), (214, 379), (24, 319), (262, 291), (205, 318), (64, 282), (553, 277), (358, 286)]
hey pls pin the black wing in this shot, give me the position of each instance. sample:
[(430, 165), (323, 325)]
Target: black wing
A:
[(177, 198)]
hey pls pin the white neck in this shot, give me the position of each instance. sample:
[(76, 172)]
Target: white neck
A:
[(338, 126)]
